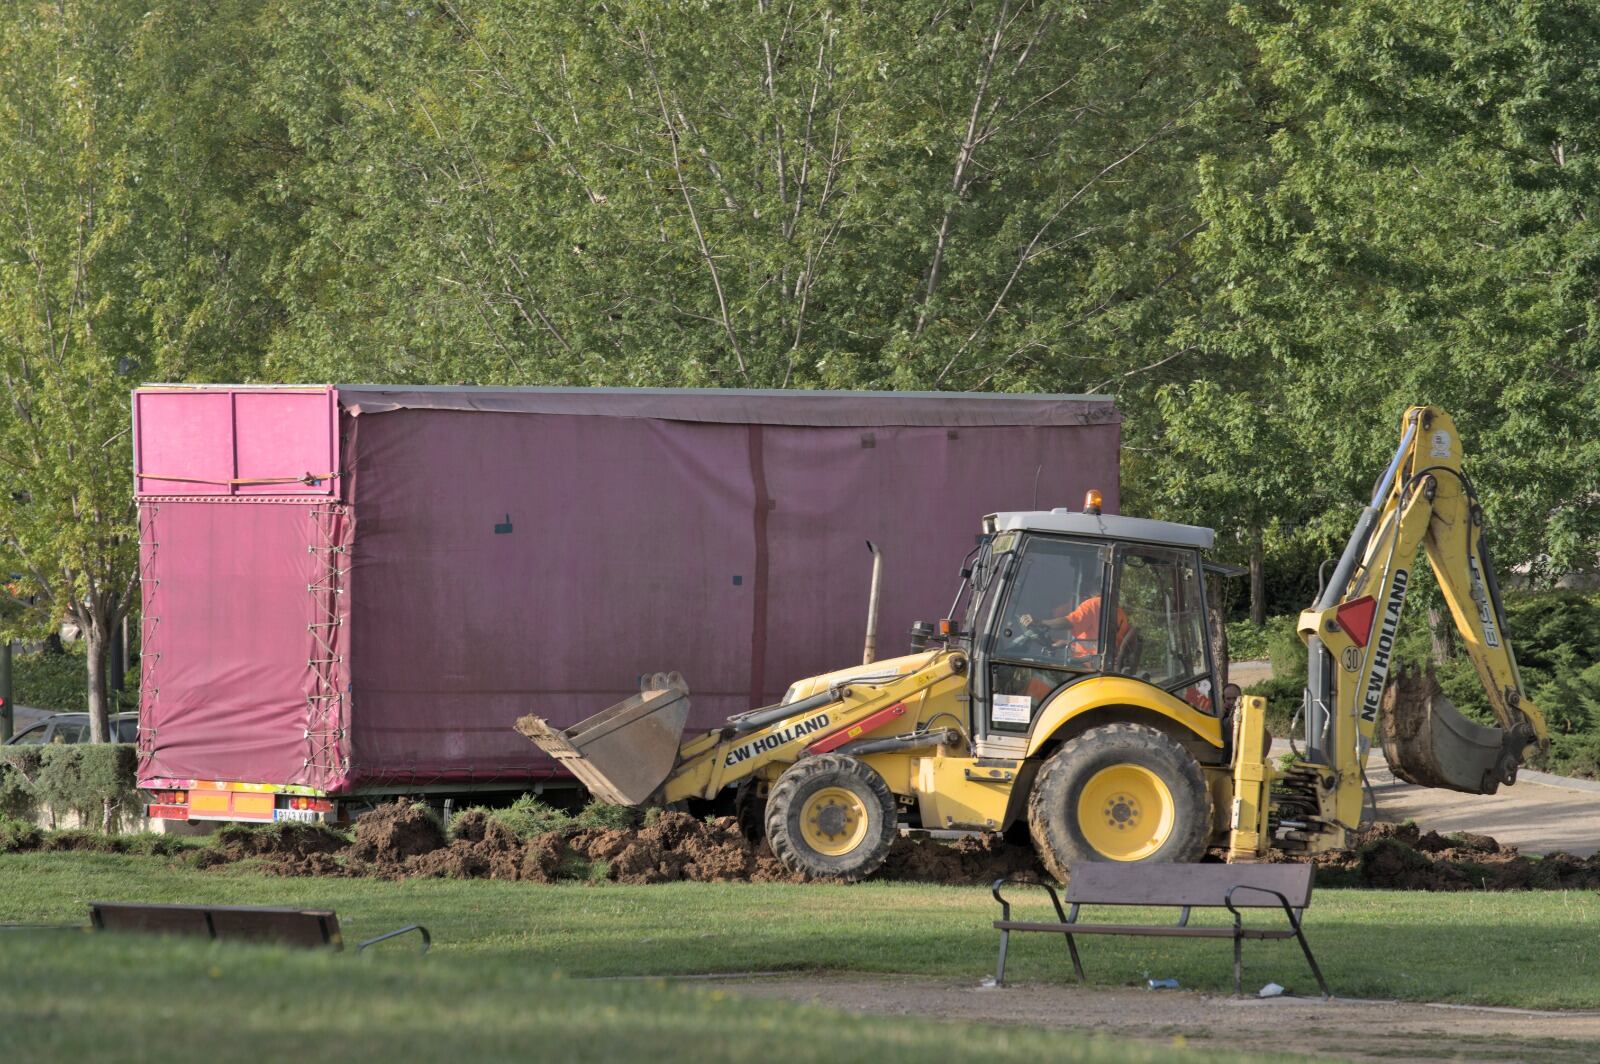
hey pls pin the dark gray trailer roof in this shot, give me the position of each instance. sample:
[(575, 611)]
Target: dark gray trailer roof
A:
[(740, 406)]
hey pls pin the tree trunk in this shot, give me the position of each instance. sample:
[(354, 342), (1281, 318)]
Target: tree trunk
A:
[(1441, 632), (1258, 578), (98, 636)]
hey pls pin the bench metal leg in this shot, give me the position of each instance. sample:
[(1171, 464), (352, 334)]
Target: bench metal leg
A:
[(1000, 970), (1316, 971), (1238, 963), (1077, 965)]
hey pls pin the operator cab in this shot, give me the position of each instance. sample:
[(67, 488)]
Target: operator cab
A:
[(1056, 597)]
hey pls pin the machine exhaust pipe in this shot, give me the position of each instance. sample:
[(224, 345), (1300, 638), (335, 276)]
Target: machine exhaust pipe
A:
[(869, 652)]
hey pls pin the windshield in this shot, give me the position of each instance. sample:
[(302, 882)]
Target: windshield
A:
[(1052, 611)]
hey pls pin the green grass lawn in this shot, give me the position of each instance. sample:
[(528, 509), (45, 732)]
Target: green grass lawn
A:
[(505, 974)]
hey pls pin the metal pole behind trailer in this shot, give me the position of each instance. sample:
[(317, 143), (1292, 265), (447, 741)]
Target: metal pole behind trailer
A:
[(7, 714)]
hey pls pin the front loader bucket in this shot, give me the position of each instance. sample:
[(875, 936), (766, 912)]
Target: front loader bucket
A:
[(1428, 742), (624, 753)]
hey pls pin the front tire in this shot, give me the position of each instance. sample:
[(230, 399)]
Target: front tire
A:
[(831, 817), (1120, 792)]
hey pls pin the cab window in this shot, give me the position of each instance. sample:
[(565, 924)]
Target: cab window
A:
[(1159, 593), (1046, 632)]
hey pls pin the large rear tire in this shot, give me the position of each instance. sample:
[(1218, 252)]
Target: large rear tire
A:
[(831, 817), (1120, 792)]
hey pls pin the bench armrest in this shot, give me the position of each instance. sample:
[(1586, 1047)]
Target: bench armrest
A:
[(1055, 899), (1238, 917), (427, 939)]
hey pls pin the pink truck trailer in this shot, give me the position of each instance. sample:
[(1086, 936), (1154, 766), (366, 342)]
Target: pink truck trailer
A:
[(353, 592)]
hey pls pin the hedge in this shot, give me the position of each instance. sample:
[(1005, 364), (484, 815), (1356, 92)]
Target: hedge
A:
[(98, 782)]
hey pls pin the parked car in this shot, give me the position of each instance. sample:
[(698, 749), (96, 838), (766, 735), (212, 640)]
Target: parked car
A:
[(67, 728)]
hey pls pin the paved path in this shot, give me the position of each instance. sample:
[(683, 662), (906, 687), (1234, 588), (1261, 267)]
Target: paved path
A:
[(1340, 1029)]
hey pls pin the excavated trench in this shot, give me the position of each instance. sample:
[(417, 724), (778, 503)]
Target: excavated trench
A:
[(401, 841)]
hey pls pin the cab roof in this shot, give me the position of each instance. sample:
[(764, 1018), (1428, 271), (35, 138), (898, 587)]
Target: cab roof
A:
[(1103, 526)]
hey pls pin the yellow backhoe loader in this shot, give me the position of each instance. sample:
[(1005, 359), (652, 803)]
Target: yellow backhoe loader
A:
[(1078, 692)]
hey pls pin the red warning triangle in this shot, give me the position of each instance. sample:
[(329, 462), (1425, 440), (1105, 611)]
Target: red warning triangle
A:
[(1355, 617)]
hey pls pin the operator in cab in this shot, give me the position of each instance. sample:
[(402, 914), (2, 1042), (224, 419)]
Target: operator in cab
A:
[(1078, 626)]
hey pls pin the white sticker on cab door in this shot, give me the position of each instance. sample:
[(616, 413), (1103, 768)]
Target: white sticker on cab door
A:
[(1013, 709)]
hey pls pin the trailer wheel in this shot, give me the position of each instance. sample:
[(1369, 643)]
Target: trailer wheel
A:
[(831, 817), (1122, 792)]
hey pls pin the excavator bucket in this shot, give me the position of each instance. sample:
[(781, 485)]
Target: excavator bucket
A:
[(1429, 742), (622, 754)]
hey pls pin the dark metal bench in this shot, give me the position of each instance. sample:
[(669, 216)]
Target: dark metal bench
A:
[(1180, 886), (236, 923)]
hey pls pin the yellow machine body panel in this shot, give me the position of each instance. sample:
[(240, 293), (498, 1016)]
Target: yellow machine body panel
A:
[(1101, 693)]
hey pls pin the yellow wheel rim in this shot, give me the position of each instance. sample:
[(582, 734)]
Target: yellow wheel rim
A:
[(833, 821), (1125, 812)]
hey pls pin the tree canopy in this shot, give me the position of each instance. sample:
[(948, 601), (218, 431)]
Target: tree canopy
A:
[(1265, 227)]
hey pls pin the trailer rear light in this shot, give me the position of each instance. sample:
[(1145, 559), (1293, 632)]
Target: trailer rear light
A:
[(172, 797), (314, 805)]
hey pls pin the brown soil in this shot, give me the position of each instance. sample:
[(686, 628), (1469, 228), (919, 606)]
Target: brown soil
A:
[(393, 832), (402, 841), (1403, 857)]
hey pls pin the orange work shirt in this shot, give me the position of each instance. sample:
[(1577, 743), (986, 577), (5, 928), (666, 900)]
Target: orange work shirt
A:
[(1085, 624)]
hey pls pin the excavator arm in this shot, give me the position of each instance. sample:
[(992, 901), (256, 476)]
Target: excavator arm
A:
[(1424, 499)]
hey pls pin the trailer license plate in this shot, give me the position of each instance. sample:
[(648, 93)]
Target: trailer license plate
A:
[(306, 816)]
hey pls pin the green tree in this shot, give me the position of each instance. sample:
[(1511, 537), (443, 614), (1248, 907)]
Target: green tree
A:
[(67, 333), (993, 195), (1418, 227)]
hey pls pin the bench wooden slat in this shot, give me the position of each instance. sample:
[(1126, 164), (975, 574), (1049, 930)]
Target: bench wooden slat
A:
[(1198, 885), (1143, 930), (248, 923)]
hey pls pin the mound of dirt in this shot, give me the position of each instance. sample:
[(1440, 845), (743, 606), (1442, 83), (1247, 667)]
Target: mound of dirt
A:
[(394, 832), (978, 859), (483, 848), (234, 842), (1403, 857), (403, 841), (400, 841)]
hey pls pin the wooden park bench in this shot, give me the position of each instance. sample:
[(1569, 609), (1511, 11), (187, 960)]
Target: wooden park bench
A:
[(1181, 886), (236, 923)]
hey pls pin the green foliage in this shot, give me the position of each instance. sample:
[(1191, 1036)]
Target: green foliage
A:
[(1557, 641), (528, 817), (59, 682), (1246, 641), (96, 782), (16, 834)]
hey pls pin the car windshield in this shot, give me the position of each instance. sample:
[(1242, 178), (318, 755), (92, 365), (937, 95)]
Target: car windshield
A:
[(128, 730), (70, 733), (33, 736)]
